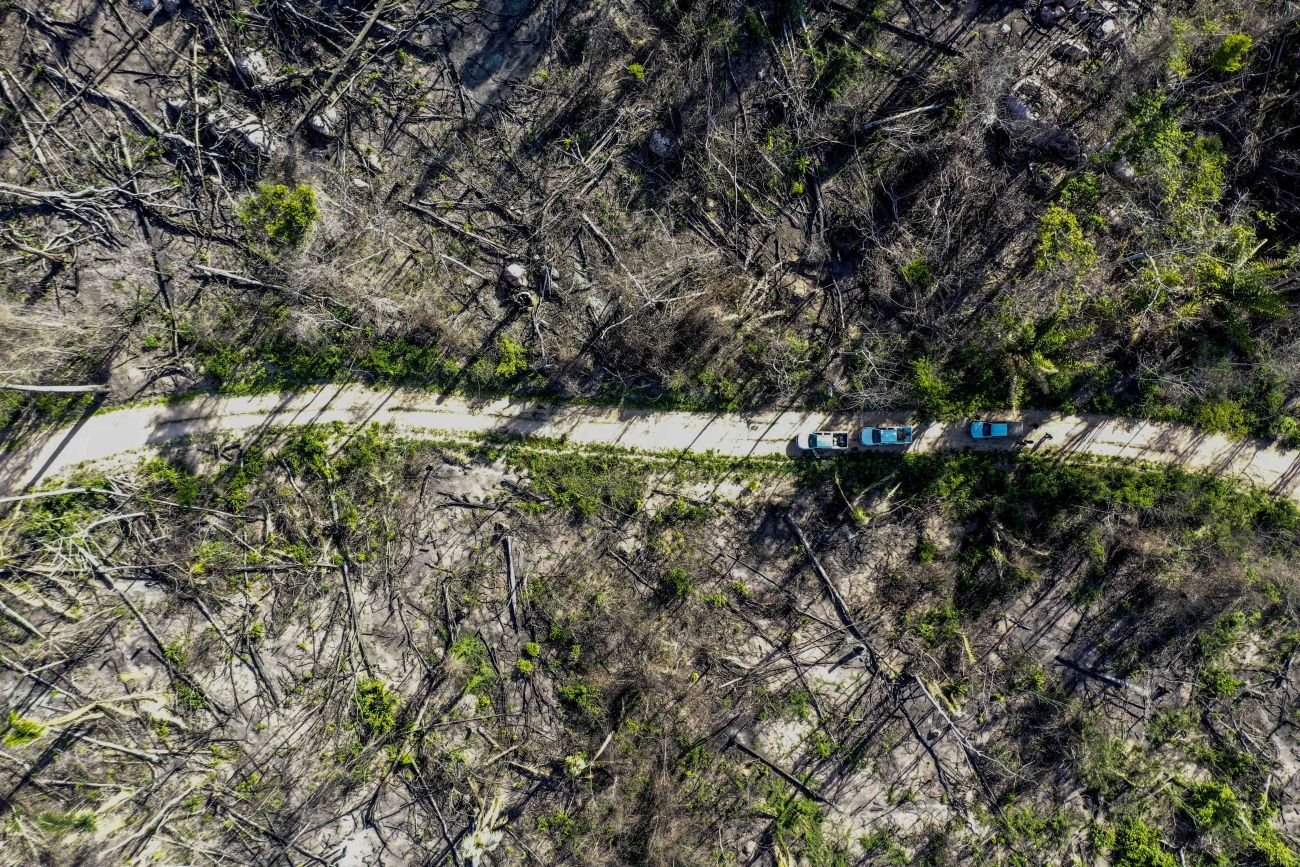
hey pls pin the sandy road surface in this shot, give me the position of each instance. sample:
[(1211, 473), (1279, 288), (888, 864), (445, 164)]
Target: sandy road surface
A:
[(121, 432)]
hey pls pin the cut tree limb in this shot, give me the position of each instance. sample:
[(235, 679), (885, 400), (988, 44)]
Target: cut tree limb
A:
[(56, 389)]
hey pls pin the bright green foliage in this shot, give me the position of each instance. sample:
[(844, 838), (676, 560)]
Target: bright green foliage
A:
[(1061, 241), (798, 826), (178, 482), (1022, 827), (917, 274), (1213, 805), (471, 650), (280, 216), (1221, 415), (583, 483), (1040, 352), (1219, 683), (932, 392), (66, 823), (532, 650), (1188, 169), (581, 695), (376, 707), (22, 731), (936, 626), (524, 667), (926, 551), (1232, 53), (1137, 844), (880, 848), (837, 70), (513, 358), (637, 71), (1221, 816), (1081, 193), (676, 583)]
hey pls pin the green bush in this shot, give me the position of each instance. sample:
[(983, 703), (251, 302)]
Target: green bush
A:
[(376, 707), (936, 626), (676, 584), (917, 274), (22, 731), (53, 822), (1231, 55), (582, 696), (513, 358), (280, 215), (1061, 241), (1137, 844), (1221, 415)]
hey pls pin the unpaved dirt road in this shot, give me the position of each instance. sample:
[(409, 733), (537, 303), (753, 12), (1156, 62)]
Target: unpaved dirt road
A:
[(122, 432)]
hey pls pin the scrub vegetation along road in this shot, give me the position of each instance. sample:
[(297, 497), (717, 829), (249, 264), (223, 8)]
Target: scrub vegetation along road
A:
[(124, 430)]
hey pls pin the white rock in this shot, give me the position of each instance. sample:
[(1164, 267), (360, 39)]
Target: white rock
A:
[(515, 275), (250, 129), (663, 144), (325, 122), (254, 68), (1106, 29)]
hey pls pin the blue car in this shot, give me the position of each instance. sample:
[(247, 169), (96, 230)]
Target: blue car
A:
[(885, 436), (988, 430)]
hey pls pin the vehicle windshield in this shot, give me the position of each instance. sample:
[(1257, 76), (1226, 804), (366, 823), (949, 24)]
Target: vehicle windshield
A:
[(877, 435), (987, 429)]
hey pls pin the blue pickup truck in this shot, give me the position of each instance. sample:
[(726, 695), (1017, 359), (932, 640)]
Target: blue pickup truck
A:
[(992, 430)]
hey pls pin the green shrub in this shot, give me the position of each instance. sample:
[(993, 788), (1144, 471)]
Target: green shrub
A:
[(637, 71), (837, 70), (926, 551), (1221, 415), (513, 358), (280, 215), (1231, 55), (932, 392), (1219, 682), (676, 583), (936, 626), (53, 822), (582, 696), (376, 707), (22, 731), (1061, 241), (917, 274), (801, 832), (1137, 844)]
